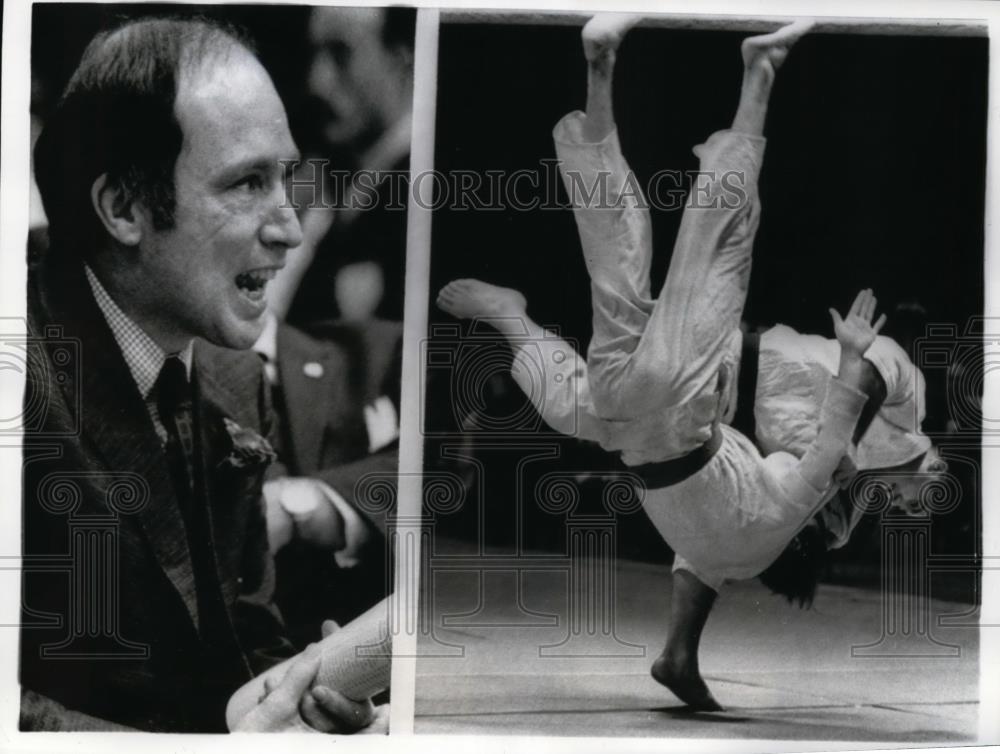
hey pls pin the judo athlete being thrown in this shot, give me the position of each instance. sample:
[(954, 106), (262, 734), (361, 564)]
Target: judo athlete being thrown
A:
[(658, 382)]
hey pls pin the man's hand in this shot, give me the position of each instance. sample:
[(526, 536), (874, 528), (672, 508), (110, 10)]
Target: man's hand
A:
[(278, 708), (298, 506), (288, 698), (280, 526), (330, 712), (855, 333), (314, 708), (322, 526)]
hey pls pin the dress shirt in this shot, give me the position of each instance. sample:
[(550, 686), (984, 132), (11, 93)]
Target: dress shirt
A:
[(143, 356)]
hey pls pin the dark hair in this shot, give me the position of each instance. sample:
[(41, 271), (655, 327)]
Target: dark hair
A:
[(399, 27), (116, 116), (796, 572)]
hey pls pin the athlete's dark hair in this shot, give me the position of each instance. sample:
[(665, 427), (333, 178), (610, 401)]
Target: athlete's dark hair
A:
[(797, 571)]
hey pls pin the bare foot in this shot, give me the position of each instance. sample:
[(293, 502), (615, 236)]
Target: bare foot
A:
[(685, 682), (603, 33), (469, 298), (766, 52), (763, 55)]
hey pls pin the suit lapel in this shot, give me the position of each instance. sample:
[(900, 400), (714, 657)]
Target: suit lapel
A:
[(306, 397), (114, 416)]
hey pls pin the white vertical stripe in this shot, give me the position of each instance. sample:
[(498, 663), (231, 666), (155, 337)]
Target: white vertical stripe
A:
[(989, 634), (411, 451)]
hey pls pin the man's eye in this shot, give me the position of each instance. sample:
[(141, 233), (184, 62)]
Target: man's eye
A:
[(251, 182), (340, 52)]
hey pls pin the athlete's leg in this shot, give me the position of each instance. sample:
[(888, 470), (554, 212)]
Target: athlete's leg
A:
[(610, 212), (697, 316), (504, 309), (547, 368), (677, 666), (695, 320), (602, 36)]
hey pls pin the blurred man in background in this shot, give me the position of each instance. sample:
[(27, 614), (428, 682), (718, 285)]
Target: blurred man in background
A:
[(352, 264)]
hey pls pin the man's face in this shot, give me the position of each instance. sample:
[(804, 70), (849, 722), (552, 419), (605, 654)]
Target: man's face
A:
[(206, 276), (907, 489), (904, 491), (352, 73)]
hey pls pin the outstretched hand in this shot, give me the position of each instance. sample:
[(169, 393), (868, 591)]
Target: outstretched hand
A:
[(293, 701), (278, 709), (328, 711), (855, 332)]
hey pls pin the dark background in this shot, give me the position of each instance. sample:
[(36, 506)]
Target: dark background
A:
[(874, 173), (874, 176)]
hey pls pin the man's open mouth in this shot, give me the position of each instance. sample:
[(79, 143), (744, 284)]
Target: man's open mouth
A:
[(252, 282)]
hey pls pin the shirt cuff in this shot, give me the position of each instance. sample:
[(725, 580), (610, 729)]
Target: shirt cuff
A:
[(382, 423), (356, 531)]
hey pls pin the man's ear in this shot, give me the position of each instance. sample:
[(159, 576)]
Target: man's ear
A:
[(116, 210)]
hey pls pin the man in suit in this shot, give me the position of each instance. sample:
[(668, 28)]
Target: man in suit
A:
[(336, 395), (161, 177)]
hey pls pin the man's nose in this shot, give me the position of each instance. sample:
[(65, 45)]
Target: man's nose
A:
[(322, 75), (282, 228)]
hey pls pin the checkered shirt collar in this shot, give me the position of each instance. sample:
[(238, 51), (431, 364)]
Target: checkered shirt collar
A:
[(143, 356)]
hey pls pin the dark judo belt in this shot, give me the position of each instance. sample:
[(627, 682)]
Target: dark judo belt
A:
[(676, 470), (746, 388)]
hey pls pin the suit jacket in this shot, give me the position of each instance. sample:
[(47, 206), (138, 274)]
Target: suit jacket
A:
[(327, 378), (112, 625)]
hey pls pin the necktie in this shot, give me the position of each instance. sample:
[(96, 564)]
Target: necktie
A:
[(174, 404), (277, 435)]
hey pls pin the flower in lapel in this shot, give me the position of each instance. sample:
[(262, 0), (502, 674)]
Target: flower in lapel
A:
[(248, 447)]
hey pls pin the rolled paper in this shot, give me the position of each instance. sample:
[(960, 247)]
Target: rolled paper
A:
[(356, 660)]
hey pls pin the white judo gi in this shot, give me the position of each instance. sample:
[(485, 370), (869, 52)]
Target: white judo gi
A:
[(651, 387)]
